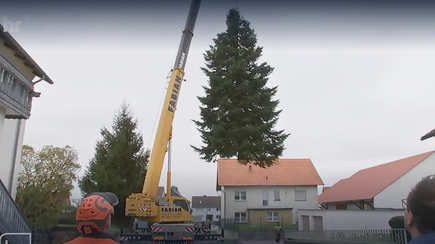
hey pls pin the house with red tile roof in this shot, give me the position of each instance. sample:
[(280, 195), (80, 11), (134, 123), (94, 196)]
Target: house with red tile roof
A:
[(383, 186), (206, 208), (261, 196)]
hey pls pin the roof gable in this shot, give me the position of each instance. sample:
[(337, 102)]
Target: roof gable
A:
[(11, 43), (367, 183), (296, 172)]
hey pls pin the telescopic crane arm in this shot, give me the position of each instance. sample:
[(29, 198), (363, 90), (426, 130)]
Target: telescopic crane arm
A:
[(147, 206), (164, 130)]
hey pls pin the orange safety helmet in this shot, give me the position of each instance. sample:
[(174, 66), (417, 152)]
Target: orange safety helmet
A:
[(94, 212)]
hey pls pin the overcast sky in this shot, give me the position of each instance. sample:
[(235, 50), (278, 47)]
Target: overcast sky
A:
[(355, 81)]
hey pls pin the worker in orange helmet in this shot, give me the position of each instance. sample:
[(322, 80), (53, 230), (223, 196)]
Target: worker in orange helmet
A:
[(93, 218)]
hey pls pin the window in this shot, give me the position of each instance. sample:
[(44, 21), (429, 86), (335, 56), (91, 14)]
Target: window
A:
[(265, 198), (300, 195), (218, 216), (217, 209), (241, 217), (276, 196), (182, 203), (239, 195), (272, 217)]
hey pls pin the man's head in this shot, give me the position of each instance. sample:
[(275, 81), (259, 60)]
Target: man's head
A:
[(94, 212), (420, 211)]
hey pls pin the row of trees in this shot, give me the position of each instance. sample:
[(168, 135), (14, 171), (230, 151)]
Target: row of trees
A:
[(120, 161), (46, 176), (44, 183), (237, 119)]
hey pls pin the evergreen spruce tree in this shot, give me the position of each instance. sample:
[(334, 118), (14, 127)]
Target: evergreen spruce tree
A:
[(119, 163), (238, 114)]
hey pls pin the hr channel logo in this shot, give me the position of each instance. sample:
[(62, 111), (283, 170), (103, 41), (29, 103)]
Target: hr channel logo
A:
[(13, 26), (16, 234)]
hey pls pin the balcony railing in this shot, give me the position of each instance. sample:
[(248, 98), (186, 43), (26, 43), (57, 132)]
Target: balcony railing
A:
[(16, 90), (351, 236), (11, 218)]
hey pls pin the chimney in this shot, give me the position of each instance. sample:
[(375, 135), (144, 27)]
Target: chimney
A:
[(250, 168)]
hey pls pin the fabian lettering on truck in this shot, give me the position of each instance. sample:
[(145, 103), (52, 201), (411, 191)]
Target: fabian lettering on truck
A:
[(175, 92), (182, 58), (176, 88), (171, 210)]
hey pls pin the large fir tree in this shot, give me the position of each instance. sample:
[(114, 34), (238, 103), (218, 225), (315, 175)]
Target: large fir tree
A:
[(238, 114), (120, 161)]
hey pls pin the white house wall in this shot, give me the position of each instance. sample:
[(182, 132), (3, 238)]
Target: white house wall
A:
[(222, 193), (203, 212), (7, 146), (254, 198), (22, 129), (349, 219), (2, 121), (392, 196)]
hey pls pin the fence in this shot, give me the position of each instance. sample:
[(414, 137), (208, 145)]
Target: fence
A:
[(390, 236), (11, 218), (41, 237), (234, 225)]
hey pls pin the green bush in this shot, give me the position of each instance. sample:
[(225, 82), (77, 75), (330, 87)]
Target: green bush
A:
[(114, 230), (397, 222)]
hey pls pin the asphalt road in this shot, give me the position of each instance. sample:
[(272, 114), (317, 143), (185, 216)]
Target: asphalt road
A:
[(253, 242)]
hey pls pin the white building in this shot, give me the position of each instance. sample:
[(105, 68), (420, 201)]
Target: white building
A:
[(383, 186), (349, 220), (259, 196), (11, 141), (206, 208), (17, 72), (380, 191)]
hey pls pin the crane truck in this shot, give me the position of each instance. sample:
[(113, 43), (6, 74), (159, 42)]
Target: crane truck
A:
[(166, 219)]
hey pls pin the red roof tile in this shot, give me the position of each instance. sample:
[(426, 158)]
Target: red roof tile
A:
[(367, 183), (286, 172), (325, 188)]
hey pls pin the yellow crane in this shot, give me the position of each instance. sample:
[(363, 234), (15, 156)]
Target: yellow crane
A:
[(171, 216)]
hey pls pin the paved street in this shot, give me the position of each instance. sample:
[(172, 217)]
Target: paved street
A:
[(260, 242), (252, 242)]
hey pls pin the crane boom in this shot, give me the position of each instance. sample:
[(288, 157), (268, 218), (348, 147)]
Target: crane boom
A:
[(164, 130), (166, 219), (186, 38)]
